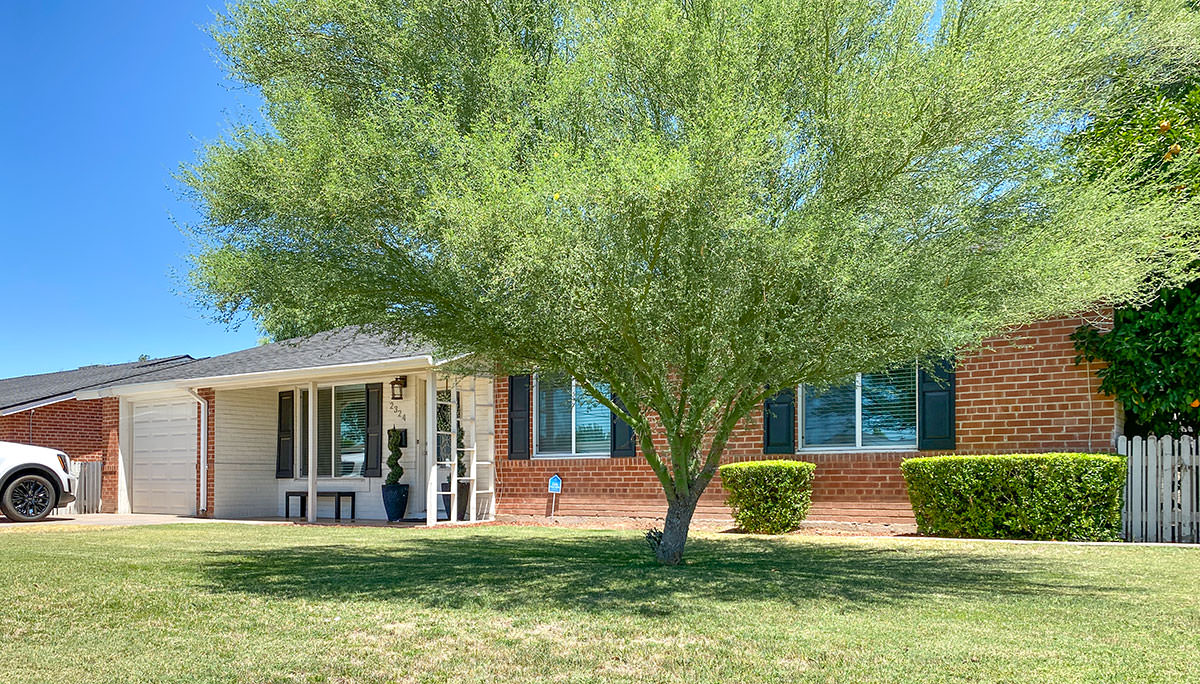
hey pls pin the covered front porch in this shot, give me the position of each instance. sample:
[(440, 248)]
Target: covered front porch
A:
[(435, 425)]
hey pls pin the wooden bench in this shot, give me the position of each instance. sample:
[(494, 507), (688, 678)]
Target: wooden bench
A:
[(337, 495)]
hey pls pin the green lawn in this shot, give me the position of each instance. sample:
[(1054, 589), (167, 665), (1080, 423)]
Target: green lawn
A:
[(201, 603)]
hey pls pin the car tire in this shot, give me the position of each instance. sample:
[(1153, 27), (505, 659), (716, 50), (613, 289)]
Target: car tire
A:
[(28, 498)]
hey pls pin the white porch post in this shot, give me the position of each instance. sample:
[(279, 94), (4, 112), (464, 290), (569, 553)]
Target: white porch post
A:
[(312, 452), (431, 444), (124, 454)]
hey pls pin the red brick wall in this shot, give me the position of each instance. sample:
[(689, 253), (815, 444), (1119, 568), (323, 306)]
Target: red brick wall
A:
[(210, 397), (71, 426), (110, 435), (1022, 392), (1025, 393)]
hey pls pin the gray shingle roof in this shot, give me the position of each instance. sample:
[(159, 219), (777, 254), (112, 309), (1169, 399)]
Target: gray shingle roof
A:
[(30, 389), (332, 348)]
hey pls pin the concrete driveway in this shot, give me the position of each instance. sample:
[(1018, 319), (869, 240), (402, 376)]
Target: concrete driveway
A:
[(123, 520)]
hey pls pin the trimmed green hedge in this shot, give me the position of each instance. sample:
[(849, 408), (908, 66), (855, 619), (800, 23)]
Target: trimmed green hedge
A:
[(770, 497), (1020, 496)]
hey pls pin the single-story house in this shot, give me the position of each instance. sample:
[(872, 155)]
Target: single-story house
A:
[(253, 417), (44, 410)]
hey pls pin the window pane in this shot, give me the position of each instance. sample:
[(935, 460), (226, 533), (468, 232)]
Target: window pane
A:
[(593, 423), (350, 443), (553, 414), (829, 416), (889, 410), (324, 432), (444, 408)]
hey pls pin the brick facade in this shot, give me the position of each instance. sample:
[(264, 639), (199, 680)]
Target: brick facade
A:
[(110, 435), (1025, 393), (71, 426), (85, 430), (210, 397), (1021, 392)]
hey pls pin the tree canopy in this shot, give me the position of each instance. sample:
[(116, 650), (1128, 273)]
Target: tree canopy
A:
[(684, 203)]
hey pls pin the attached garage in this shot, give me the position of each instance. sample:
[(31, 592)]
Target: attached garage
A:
[(163, 457)]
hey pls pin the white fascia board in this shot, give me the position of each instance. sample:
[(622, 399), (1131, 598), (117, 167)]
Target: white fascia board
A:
[(267, 378), (19, 408)]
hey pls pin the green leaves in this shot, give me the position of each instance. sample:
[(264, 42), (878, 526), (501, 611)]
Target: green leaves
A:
[(1064, 497), (1151, 362), (770, 497)]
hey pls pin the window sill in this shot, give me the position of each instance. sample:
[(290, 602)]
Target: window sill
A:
[(329, 480), (556, 457), (898, 449)]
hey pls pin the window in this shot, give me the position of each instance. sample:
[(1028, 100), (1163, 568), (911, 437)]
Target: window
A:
[(341, 431), (350, 423), (569, 421), (875, 410)]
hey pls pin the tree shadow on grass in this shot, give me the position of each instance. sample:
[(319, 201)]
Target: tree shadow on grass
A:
[(604, 572)]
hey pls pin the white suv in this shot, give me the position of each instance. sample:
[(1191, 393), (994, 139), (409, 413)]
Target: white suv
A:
[(33, 481)]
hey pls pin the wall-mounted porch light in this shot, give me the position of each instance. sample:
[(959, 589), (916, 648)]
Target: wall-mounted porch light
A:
[(398, 386)]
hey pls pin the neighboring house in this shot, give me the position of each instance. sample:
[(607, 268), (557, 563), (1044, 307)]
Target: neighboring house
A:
[(43, 409), (1022, 393)]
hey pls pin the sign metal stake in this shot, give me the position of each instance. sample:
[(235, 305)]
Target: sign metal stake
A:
[(554, 488)]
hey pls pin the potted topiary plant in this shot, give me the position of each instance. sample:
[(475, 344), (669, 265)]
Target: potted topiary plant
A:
[(395, 495)]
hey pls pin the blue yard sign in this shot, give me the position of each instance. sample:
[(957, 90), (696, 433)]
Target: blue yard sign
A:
[(555, 485)]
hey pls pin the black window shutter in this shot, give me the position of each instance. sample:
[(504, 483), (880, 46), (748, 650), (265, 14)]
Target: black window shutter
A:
[(303, 436), (518, 417), (935, 405), (621, 438), (373, 463), (779, 423), (284, 455)]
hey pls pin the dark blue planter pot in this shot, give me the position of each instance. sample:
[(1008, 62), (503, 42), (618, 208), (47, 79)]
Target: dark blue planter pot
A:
[(395, 501)]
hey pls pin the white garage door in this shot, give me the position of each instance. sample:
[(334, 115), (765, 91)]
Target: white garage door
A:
[(164, 457)]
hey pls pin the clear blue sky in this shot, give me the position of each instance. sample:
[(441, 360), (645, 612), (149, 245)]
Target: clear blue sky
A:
[(102, 102)]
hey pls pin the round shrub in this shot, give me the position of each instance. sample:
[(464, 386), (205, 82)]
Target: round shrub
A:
[(769, 497), (1074, 497)]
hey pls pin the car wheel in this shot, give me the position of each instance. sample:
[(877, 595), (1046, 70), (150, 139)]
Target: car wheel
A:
[(28, 498)]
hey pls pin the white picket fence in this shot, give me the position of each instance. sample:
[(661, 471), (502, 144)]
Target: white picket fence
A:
[(1162, 490), (87, 488)]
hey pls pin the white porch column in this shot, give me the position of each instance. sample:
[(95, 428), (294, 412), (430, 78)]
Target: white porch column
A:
[(431, 444), (312, 452), (124, 454)]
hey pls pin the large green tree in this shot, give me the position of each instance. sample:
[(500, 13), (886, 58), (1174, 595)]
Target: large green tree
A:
[(684, 205)]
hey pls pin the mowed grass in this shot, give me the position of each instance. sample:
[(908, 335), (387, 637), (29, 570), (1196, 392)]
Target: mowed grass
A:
[(235, 603)]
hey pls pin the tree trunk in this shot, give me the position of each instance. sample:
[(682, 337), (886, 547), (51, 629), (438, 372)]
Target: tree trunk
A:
[(675, 530)]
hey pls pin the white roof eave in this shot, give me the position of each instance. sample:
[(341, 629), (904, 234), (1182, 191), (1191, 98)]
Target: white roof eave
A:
[(37, 403), (271, 377)]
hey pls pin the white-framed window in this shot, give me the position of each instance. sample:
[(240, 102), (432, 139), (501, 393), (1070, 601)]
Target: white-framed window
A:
[(871, 411), (341, 431), (567, 420)]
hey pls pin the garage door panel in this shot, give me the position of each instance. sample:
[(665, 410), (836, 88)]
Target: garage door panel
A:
[(164, 457)]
